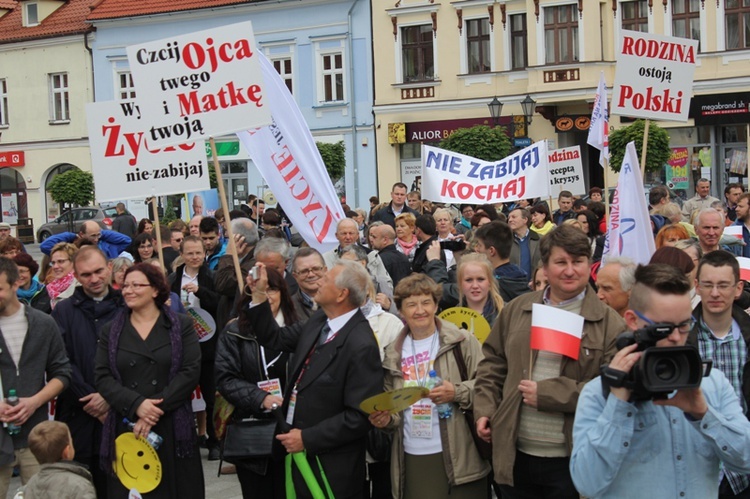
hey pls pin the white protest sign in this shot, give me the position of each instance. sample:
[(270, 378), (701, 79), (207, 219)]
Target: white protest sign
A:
[(199, 85), (654, 76), (566, 171), (450, 177), (127, 165)]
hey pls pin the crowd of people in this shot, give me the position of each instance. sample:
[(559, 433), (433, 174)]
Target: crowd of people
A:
[(122, 341)]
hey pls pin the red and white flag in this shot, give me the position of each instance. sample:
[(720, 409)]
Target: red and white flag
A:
[(599, 127), (556, 330), (734, 231), (744, 267)]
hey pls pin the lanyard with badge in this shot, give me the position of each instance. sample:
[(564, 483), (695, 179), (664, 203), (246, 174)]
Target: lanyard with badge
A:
[(293, 397), (421, 412), (270, 385)]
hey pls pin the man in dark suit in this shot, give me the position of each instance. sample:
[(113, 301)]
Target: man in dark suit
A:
[(336, 366), (382, 239)]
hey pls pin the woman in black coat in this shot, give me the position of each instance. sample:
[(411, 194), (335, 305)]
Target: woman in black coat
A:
[(241, 363), (147, 366)]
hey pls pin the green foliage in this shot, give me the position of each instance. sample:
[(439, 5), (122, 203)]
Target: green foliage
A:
[(169, 214), (480, 141), (658, 152), (333, 157), (72, 188), (212, 175)]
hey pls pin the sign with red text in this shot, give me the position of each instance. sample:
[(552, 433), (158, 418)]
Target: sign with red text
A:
[(450, 177), (127, 164), (286, 155), (12, 158), (199, 85), (654, 76), (566, 171)]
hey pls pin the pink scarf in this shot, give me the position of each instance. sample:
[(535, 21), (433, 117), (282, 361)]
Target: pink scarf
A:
[(56, 287), (407, 248)]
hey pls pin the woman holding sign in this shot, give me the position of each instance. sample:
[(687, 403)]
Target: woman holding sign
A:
[(422, 440), (252, 378)]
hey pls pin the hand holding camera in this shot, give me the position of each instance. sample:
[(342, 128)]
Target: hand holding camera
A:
[(257, 281)]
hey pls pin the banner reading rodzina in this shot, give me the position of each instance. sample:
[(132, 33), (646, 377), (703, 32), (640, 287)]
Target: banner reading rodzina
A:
[(287, 157), (450, 177)]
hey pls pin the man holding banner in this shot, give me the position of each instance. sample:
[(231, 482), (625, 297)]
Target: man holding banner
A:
[(532, 430)]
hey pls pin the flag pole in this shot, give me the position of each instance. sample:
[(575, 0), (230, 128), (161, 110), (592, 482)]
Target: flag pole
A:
[(531, 362), (645, 147), (225, 207), (606, 190), (157, 230)]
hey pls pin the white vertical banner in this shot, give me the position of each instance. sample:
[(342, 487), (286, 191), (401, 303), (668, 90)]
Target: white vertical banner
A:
[(287, 157), (630, 231), (599, 128)]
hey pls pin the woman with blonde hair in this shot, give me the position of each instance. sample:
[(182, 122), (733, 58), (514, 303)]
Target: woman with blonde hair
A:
[(406, 239), (61, 281), (477, 287)]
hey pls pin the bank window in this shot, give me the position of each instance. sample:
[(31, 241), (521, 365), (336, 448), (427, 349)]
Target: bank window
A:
[(519, 42), (283, 66), (478, 45), (561, 34), (59, 97), (3, 102), (332, 76), (417, 54), (125, 87), (686, 19), (635, 15), (737, 19)]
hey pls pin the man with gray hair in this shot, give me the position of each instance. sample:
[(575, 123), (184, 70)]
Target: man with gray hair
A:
[(709, 226), (347, 232), (275, 252), (308, 268), (336, 365), (225, 279), (700, 201), (383, 240), (614, 282)]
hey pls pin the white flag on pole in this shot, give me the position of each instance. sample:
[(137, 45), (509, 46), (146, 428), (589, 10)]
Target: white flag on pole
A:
[(599, 127), (287, 157), (630, 231)]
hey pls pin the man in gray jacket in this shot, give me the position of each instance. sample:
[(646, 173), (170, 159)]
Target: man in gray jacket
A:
[(31, 350)]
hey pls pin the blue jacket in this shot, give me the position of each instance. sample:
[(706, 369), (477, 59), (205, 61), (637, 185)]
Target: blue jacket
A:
[(213, 260), (111, 243)]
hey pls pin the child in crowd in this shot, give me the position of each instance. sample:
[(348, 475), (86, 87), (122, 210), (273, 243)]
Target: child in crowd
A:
[(59, 477)]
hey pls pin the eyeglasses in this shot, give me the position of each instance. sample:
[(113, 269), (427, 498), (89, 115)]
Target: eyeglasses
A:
[(134, 286), (311, 270), (52, 263), (682, 327), (722, 287)]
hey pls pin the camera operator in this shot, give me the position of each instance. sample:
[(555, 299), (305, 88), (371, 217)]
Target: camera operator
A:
[(722, 333), (658, 448)]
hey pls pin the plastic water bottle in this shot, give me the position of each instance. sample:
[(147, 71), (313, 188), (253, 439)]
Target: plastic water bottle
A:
[(445, 410), (153, 439), (184, 297), (12, 400)]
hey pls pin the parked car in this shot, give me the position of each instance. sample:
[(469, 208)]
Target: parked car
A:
[(102, 216)]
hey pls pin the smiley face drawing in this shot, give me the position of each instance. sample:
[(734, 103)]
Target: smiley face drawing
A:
[(136, 464)]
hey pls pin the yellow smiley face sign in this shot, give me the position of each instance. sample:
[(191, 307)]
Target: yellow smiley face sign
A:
[(468, 319), (137, 464)]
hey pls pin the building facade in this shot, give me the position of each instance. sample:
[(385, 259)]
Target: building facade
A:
[(439, 65)]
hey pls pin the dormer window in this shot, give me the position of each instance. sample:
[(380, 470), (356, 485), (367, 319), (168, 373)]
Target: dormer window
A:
[(31, 14)]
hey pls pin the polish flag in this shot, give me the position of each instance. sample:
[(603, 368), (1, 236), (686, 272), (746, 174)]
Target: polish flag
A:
[(733, 231), (744, 267), (556, 330)]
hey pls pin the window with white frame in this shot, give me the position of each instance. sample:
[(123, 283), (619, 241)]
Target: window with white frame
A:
[(519, 42), (31, 12), (478, 45), (332, 72), (283, 66), (737, 24), (125, 87), (561, 34), (686, 19), (417, 56), (635, 15), (59, 97), (3, 102)]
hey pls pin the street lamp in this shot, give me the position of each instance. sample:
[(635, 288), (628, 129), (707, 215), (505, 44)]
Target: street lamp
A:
[(527, 104), (496, 108)]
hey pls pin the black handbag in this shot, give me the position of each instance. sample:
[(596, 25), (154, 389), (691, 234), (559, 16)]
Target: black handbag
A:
[(248, 439), (484, 448)]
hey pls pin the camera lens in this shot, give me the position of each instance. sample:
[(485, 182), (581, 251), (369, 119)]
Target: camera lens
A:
[(666, 369)]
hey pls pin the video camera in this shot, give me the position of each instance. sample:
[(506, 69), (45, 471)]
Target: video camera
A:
[(660, 370)]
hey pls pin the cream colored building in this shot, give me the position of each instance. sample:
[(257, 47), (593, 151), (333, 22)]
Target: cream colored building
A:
[(45, 83), (438, 64)]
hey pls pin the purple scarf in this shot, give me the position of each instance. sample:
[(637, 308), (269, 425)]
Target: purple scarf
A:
[(184, 432)]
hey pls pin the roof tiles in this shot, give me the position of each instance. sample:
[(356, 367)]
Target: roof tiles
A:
[(68, 19), (113, 9)]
